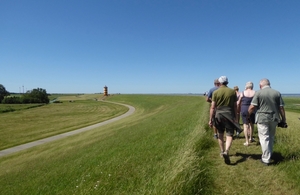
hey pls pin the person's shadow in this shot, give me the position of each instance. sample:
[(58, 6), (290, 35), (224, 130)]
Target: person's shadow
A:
[(276, 158)]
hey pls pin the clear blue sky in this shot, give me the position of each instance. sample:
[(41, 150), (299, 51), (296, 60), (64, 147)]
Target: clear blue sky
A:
[(148, 46)]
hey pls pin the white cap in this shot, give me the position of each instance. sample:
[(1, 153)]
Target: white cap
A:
[(223, 79)]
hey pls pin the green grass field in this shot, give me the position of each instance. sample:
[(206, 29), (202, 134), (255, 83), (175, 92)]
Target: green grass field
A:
[(165, 147), (31, 122)]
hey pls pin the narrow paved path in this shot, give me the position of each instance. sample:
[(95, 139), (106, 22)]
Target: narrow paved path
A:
[(63, 135)]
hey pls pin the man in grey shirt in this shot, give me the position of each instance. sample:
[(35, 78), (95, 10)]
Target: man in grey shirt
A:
[(270, 112)]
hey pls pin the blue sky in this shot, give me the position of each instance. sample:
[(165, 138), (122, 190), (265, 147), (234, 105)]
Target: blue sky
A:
[(148, 46)]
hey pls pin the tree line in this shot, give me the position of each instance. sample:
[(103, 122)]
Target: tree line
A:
[(38, 95)]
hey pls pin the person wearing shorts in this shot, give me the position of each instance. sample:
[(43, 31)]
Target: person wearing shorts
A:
[(223, 115)]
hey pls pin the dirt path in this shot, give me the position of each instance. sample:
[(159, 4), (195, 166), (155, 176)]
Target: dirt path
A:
[(63, 135)]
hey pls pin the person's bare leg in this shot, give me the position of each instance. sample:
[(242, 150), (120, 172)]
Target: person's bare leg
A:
[(225, 154), (228, 142), (251, 128), (221, 142), (246, 129)]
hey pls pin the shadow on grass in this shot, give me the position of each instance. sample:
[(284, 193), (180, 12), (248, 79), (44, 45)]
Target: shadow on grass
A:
[(276, 158)]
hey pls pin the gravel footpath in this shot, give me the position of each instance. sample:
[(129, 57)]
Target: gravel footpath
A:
[(63, 135)]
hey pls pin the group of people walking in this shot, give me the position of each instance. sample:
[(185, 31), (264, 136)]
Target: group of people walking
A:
[(264, 107)]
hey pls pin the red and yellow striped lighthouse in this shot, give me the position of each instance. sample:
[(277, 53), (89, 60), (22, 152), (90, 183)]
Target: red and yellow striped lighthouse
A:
[(105, 91)]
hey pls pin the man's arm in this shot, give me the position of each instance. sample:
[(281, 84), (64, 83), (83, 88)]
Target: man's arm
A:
[(208, 99), (211, 113), (282, 110), (251, 109), (209, 96), (282, 113)]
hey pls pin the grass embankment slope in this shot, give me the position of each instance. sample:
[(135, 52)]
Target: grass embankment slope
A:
[(28, 123), (152, 151), (165, 147)]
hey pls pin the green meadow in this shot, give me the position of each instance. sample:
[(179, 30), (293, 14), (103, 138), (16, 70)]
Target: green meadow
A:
[(165, 147), (29, 122)]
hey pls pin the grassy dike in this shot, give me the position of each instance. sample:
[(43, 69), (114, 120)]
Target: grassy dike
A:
[(160, 149), (164, 148)]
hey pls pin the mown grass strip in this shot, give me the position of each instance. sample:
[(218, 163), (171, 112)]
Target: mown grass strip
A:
[(16, 107)]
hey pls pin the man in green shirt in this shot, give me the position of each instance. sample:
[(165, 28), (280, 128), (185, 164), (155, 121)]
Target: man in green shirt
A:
[(223, 115), (270, 112)]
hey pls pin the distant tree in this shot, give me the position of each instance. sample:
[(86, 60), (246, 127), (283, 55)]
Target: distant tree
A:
[(38, 95), (12, 100), (3, 92)]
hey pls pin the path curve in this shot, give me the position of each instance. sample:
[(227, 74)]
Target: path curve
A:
[(63, 135)]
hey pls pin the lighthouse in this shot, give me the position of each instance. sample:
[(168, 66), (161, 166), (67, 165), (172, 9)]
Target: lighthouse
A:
[(105, 91)]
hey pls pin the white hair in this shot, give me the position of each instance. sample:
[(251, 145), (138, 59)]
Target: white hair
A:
[(264, 82), (249, 85)]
